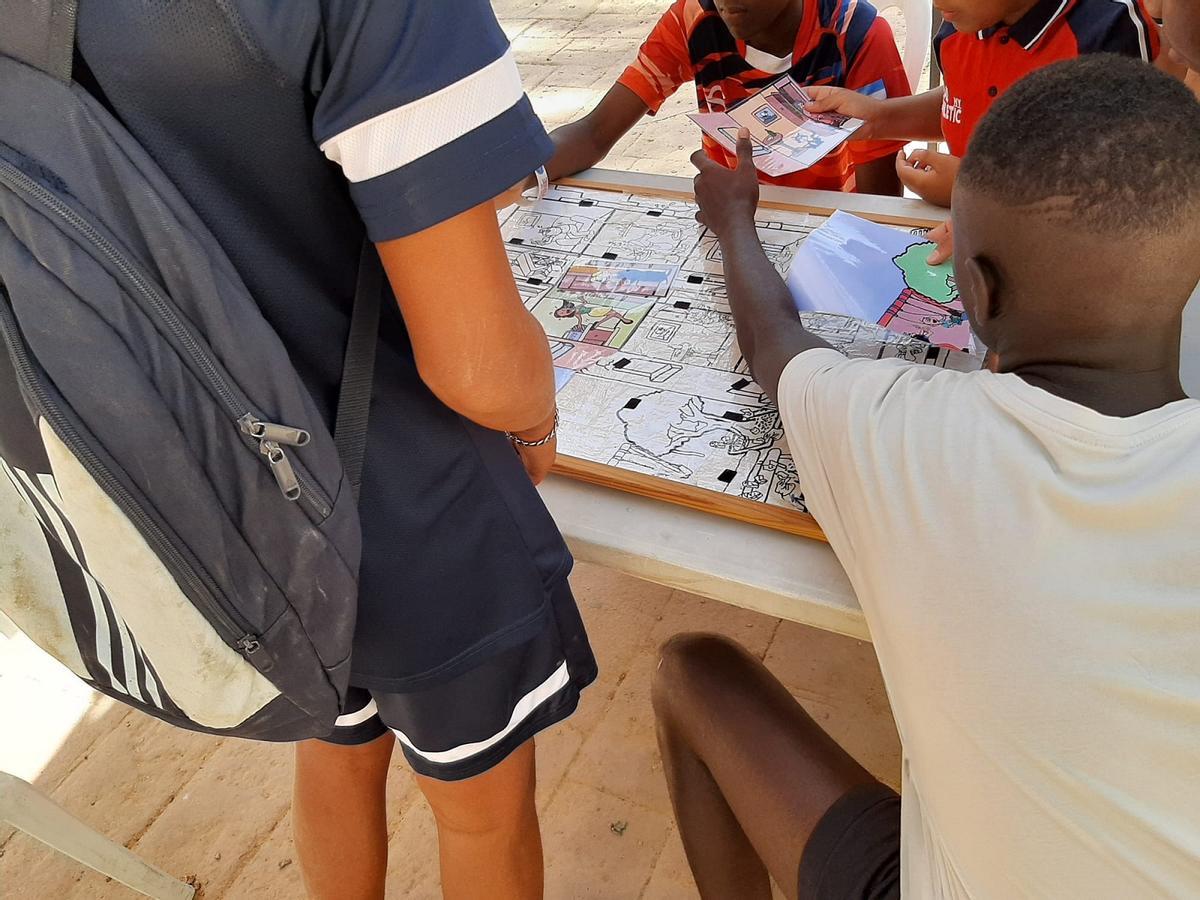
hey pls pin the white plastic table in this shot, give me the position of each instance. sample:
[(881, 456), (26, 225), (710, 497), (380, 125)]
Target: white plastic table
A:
[(746, 565)]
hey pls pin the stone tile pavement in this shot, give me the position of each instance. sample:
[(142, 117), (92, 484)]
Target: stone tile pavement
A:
[(218, 810)]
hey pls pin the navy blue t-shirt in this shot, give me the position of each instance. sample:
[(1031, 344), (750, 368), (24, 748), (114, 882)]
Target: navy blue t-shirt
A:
[(293, 126)]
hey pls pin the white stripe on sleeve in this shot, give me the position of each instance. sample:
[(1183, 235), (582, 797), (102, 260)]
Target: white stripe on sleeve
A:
[(1141, 31), (399, 136), (1058, 12), (525, 706)]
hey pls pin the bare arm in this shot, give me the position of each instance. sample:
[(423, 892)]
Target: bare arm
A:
[(581, 144), (769, 330), (916, 118), (476, 346)]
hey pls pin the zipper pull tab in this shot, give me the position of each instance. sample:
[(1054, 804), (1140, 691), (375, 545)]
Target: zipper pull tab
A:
[(281, 468), (250, 645), (269, 431)]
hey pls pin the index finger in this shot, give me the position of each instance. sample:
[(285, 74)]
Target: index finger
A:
[(745, 149), (922, 159), (824, 98), (942, 252)]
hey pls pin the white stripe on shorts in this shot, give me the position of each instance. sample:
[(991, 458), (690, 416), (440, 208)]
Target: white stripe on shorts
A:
[(357, 718), (525, 706)]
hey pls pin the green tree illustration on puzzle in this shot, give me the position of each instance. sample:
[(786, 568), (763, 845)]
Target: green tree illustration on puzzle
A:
[(930, 297), (935, 283)]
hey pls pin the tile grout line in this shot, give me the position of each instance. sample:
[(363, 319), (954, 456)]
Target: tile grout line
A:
[(563, 777), (83, 756), (771, 640), (615, 796), (141, 833), (653, 869), (252, 851)]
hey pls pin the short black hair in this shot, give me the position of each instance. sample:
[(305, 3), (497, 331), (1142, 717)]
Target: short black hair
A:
[(1107, 142)]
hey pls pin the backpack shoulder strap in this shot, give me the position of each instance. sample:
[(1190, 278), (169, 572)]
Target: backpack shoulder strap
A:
[(40, 33), (358, 368)]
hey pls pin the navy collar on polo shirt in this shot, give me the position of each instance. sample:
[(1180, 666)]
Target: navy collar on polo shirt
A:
[(1028, 29)]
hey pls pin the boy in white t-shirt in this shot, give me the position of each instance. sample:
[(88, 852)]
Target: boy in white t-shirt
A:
[(1025, 543)]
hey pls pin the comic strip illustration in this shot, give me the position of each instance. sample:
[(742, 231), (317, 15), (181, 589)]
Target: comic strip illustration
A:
[(785, 137), (631, 293)]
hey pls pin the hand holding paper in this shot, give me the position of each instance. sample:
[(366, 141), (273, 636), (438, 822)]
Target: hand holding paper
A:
[(854, 104), (785, 136)]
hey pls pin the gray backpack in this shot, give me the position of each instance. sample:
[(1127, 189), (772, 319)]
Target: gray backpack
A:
[(177, 524)]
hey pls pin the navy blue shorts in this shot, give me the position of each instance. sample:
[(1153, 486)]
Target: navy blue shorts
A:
[(854, 851), (463, 725)]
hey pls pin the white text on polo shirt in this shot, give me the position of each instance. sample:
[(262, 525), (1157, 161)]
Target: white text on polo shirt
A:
[(951, 108)]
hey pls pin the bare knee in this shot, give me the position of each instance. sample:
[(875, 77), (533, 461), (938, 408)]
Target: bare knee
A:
[(689, 663), (499, 799)]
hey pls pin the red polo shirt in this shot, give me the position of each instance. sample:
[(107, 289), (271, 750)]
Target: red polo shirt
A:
[(978, 68)]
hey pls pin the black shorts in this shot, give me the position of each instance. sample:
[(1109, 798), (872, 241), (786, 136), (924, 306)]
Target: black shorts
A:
[(854, 851), (462, 725)]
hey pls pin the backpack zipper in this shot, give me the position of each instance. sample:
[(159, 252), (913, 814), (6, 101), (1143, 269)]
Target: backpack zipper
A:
[(269, 437), (236, 403), (234, 629)]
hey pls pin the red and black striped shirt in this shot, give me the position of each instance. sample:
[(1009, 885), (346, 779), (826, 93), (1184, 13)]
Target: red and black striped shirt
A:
[(839, 42)]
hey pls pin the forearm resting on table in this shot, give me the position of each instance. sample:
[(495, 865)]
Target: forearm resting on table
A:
[(768, 327), (475, 345), (581, 144), (916, 118)]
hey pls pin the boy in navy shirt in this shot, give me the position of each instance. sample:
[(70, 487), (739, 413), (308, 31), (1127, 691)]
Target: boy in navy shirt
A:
[(293, 129)]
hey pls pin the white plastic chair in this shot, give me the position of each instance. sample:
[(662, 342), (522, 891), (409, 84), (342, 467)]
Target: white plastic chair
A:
[(28, 809), (918, 22)]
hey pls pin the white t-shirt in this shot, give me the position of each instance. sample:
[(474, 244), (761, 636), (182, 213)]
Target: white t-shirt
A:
[(1030, 572)]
